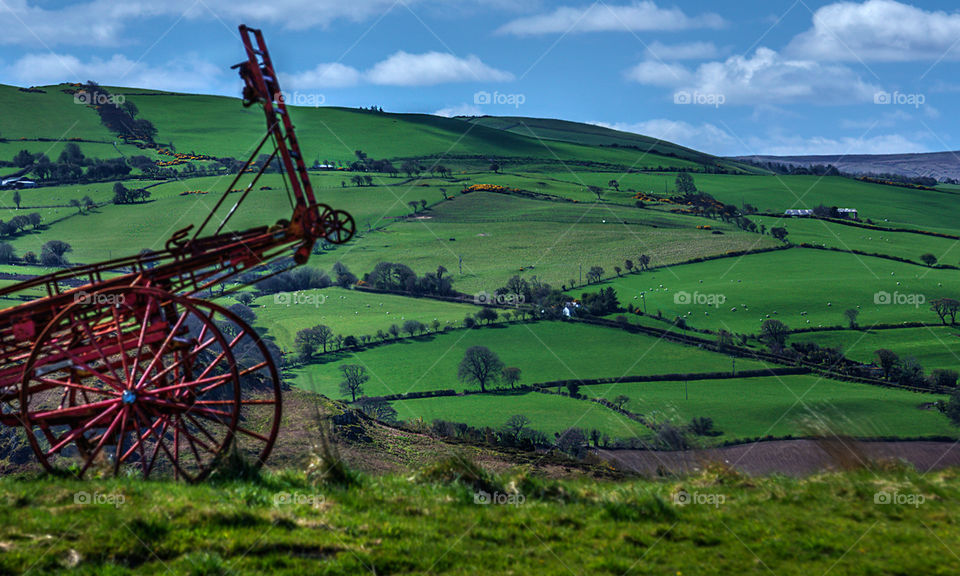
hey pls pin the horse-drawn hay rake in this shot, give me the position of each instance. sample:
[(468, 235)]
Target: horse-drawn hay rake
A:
[(134, 371)]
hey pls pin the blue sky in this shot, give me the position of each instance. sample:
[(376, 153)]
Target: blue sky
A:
[(750, 77)]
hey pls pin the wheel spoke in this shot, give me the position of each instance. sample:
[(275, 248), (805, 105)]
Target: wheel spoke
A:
[(159, 352), (116, 384), (183, 359), (95, 342), (53, 383), (93, 455), (120, 343), (77, 432), (140, 339)]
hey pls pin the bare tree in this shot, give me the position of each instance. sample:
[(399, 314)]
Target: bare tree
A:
[(354, 377), (516, 424), (511, 375), (480, 365)]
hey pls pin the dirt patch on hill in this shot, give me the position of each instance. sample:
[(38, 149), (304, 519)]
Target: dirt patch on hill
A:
[(371, 447), (789, 457)]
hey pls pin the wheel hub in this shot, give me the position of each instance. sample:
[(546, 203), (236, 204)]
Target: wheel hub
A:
[(129, 397)]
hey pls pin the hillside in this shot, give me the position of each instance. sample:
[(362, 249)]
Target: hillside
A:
[(680, 243), (219, 126), (593, 135), (938, 165), (885, 522)]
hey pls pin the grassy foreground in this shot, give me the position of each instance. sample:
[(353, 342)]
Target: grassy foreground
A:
[(886, 522)]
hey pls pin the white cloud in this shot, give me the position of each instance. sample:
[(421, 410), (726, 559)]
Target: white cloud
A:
[(878, 30), (459, 110), (104, 22), (100, 22), (655, 73), (765, 78), (403, 69), (819, 146), (328, 75), (600, 17), (691, 51), (705, 137), (189, 74), (718, 141)]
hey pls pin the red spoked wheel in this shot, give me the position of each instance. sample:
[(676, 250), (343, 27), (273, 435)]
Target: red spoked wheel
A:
[(260, 385), (134, 379), (338, 226)]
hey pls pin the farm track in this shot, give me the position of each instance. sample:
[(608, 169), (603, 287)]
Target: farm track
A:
[(789, 457)]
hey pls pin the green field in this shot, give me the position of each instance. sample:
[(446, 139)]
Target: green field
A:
[(899, 244), (592, 135), (52, 115), (335, 133), (544, 351), (484, 238), (499, 236), (548, 413), (784, 284), (935, 347), (408, 523), (778, 406), (350, 312)]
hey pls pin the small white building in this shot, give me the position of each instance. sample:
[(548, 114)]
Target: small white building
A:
[(848, 213), (19, 182), (799, 213)]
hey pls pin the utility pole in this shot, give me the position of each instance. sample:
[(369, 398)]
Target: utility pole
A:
[(461, 265), (581, 273)]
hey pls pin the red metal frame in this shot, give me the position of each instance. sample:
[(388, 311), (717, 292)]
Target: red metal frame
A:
[(88, 345)]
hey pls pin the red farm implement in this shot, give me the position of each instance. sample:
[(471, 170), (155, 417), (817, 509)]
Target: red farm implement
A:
[(125, 367)]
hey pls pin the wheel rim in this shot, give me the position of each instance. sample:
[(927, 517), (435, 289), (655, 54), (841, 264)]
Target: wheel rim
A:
[(260, 385), (133, 377), (338, 227)]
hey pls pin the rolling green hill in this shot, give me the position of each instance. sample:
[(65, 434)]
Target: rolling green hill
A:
[(218, 126), (563, 200), (593, 135)]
